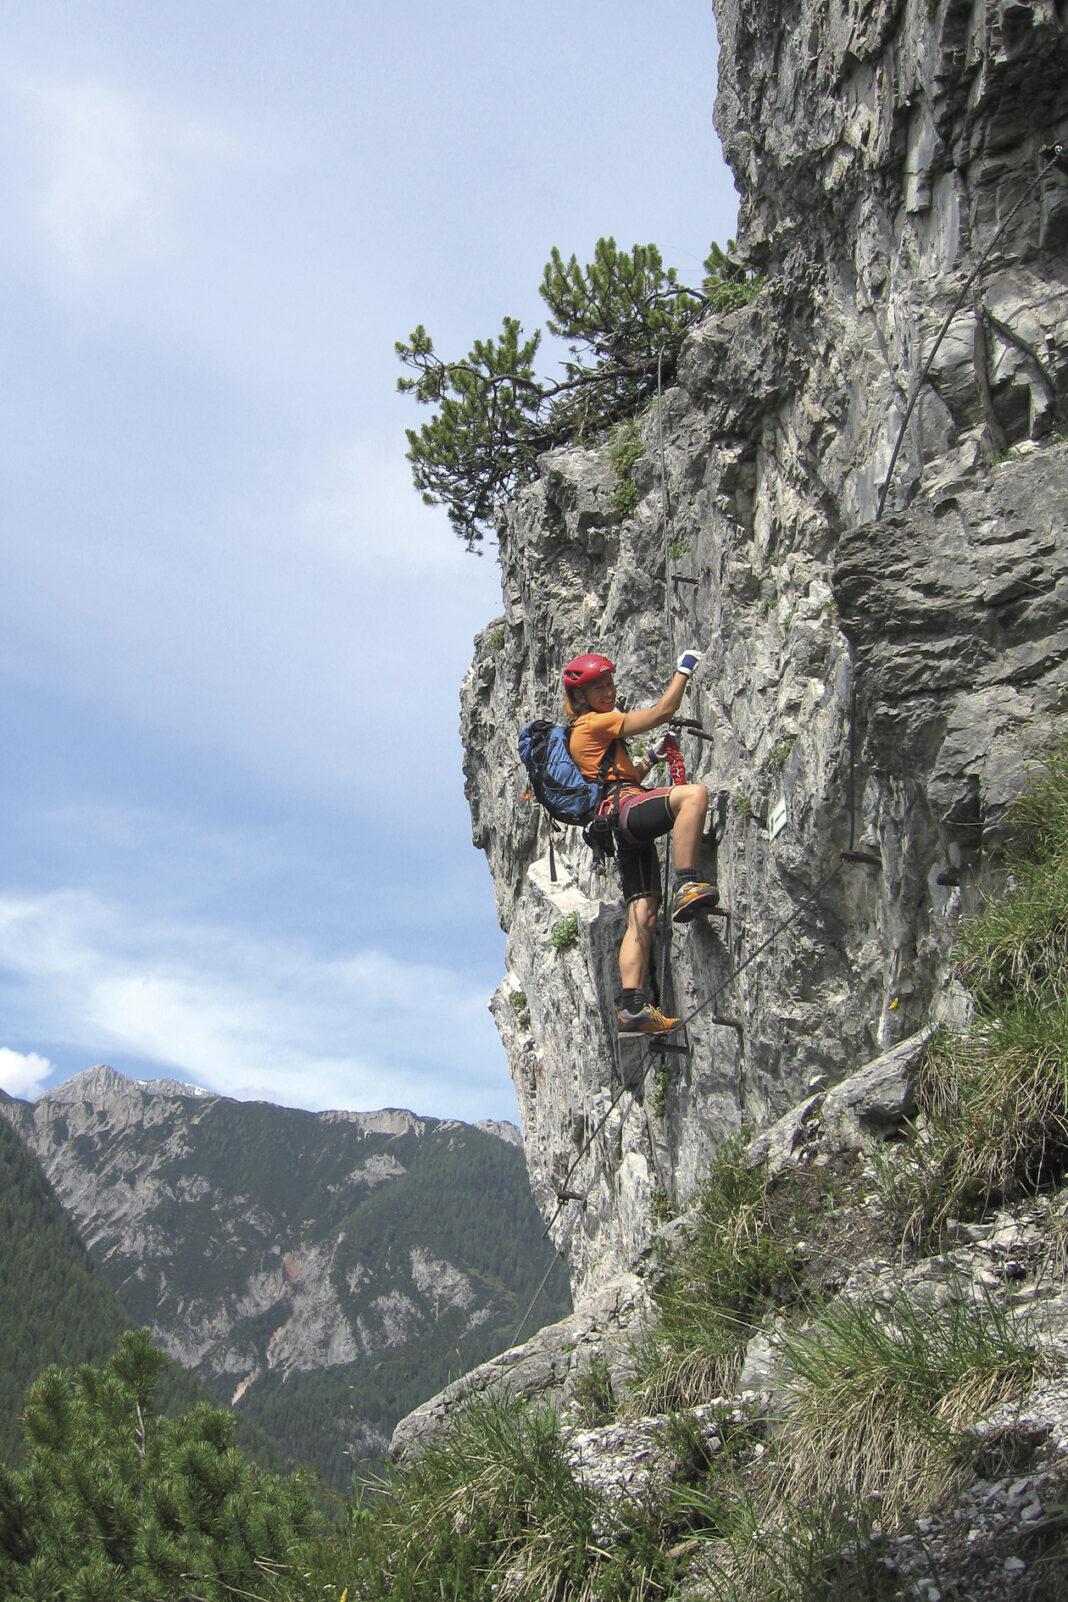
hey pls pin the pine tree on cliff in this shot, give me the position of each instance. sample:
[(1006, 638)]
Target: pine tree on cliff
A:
[(623, 317)]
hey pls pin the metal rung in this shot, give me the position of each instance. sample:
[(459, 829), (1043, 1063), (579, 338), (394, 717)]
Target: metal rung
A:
[(691, 726), (669, 1045), (861, 856), (727, 1023), (568, 1195), (681, 578)]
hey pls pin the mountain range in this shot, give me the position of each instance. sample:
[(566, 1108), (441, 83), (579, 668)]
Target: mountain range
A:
[(320, 1273)]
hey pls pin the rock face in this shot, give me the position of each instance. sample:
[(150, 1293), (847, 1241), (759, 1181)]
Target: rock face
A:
[(884, 678), (324, 1272)]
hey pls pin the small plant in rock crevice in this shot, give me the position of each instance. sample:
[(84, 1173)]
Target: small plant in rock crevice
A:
[(624, 451), (662, 1082), (565, 933), (780, 752)]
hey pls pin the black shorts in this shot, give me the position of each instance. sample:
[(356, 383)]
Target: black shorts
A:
[(643, 818)]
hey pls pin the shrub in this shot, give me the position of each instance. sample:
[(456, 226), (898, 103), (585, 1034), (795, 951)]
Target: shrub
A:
[(623, 318), (119, 1502), (565, 933)]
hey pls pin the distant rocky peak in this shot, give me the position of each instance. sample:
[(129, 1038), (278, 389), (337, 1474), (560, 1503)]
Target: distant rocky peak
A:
[(509, 1133), (104, 1085)]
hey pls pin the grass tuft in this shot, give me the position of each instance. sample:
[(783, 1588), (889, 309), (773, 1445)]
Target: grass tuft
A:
[(881, 1398), (1016, 950), (727, 1273), (994, 1096), (823, 1552), (491, 1510)]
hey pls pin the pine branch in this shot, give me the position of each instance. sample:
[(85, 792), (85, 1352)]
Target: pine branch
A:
[(623, 317)]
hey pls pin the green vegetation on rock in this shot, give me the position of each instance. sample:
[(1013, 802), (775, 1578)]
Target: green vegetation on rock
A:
[(623, 318), (625, 450), (117, 1502), (994, 1096), (564, 934)]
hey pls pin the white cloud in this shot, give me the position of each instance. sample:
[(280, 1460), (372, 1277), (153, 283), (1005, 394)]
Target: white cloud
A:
[(103, 194), (23, 1073), (110, 170), (248, 1018)]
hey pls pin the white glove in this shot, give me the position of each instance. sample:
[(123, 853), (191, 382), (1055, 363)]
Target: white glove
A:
[(688, 661), (658, 752)]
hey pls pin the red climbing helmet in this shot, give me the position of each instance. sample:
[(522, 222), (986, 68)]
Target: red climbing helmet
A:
[(585, 670)]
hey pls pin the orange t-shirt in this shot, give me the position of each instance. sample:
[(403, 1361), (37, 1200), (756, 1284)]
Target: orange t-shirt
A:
[(591, 735)]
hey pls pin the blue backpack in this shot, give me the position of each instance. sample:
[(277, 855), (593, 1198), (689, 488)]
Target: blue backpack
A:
[(558, 784), (554, 775)]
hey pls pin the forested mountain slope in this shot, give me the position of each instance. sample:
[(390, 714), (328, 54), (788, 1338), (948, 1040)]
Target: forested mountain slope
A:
[(56, 1306), (322, 1273)]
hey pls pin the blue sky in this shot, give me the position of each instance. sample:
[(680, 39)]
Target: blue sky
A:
[(234, 847)]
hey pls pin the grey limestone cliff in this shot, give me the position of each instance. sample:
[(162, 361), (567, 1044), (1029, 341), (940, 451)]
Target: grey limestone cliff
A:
[(885, 678)]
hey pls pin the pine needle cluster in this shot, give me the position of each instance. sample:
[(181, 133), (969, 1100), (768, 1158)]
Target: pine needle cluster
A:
[(117, 1503)]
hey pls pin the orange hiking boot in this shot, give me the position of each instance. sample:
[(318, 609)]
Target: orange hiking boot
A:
[(648, 1020), (692, 899)]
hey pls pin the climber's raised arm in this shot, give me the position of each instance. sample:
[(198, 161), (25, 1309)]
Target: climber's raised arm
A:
[(645, 718)]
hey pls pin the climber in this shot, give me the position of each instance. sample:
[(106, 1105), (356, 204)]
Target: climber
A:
[(641, 817)]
